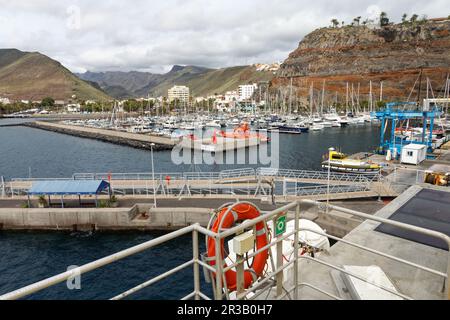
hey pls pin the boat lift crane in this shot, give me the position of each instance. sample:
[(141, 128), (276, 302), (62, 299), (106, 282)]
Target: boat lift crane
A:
[(396, 112)]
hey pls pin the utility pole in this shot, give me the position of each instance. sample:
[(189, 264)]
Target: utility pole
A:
[(153, 175)]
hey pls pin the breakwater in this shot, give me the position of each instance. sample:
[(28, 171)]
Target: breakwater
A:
[(138, 141), (138, 217)]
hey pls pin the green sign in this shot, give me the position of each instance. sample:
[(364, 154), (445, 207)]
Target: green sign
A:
[(280, 226)]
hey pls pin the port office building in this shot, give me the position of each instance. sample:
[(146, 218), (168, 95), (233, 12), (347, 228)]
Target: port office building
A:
[(179, 92)]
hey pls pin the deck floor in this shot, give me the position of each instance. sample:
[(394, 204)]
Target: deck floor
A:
[(408, 280)]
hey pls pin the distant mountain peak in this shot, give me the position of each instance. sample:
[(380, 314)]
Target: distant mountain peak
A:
[(202, 81), (177, 68)]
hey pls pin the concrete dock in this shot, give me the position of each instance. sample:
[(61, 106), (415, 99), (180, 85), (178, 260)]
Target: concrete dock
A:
[(408, 280), (138, 213), (139, 141)]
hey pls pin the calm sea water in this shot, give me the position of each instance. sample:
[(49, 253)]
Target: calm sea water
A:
[(55, 155), (29, 257)]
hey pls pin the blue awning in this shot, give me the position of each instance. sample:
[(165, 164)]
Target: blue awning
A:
[(68, 187)]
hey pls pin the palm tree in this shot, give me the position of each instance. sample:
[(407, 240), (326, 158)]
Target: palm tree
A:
[(424, 18), (404, 18), (335, 23), (384, 20)]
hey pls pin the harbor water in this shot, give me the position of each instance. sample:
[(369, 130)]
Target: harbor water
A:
[(49, 155), (29, 257)]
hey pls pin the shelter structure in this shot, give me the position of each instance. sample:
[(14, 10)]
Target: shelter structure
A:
[(62, 188)]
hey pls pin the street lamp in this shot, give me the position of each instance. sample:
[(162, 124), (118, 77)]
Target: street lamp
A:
[(153, 174), (329, 177)]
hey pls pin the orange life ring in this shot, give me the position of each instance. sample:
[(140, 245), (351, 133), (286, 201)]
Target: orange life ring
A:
[(240, 212)]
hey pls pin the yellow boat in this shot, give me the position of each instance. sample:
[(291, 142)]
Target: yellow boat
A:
[(340, 162)]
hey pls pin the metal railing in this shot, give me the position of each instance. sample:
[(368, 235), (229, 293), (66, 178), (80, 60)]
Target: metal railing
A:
[(206, 183), (274, 279), (237, 173), (318, 175), (299, 191), (2, 187), (225, 174), (406, 176)]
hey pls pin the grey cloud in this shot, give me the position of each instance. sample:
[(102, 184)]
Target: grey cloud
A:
[(152, 35)]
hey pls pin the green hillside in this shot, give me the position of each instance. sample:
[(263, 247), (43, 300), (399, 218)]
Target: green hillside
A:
[(227, 79), (33, 76), (201, 81)]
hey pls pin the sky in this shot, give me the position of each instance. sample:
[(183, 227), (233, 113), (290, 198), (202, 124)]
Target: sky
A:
[(153, 35)]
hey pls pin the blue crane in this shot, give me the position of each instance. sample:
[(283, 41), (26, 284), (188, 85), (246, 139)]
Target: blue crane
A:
[(396, 112)]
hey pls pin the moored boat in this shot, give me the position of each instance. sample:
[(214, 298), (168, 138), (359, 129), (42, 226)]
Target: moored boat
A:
[(338, 161)]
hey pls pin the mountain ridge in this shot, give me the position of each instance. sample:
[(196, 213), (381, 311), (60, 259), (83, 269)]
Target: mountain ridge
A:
[(201, 80), (34, 76)]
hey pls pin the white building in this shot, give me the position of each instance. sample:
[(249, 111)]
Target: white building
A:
[(246, 91), (414, 154), (179, 92), (231, 96), (267, 67), (74, 107), (4, 100), (200, 99)]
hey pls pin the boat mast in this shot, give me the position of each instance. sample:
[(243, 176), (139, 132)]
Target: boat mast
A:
[(420, 87), (311, 97), (346, 101), (353, 100), (381, 91), (357, 98), (447, 94), (323, 98), (290, 98)]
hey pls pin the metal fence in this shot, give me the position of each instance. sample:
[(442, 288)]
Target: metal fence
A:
[(320, 190), (318, 175), (273, 280), (247, 181), (2, 187), (406, 176)]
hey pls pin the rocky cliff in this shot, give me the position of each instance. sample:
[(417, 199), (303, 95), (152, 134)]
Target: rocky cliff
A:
[(394, 55)]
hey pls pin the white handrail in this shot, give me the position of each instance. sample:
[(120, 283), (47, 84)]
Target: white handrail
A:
[(194, 229)]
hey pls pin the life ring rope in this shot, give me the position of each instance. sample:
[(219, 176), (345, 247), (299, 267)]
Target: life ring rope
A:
[(226, 219)]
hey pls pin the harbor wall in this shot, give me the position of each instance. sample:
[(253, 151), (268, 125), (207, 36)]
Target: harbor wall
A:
[(134, 140), (139, 217)]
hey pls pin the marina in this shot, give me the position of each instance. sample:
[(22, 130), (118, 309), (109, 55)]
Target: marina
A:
[(432, 278), (335, 192), (206, 152)]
